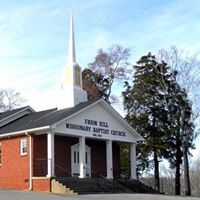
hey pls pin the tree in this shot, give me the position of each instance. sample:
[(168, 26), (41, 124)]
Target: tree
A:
[(95, 84), (187, 67), (154, 106), (112, 65), (9, 99), (144, 103), (195, 177), (178, 108)]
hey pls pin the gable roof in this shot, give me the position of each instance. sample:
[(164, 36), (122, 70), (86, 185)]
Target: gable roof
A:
[(25, 122), (41, 119), (11, 115), (8, 113), (47, 118)]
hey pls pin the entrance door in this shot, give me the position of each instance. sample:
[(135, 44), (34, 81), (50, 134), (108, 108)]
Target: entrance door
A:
[(75, 160)]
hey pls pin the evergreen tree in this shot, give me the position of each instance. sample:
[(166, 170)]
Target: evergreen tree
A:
[(158, 108), (182, 134), (146, 112)]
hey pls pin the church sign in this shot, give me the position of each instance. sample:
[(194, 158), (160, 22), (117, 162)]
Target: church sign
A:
[(97, 128)]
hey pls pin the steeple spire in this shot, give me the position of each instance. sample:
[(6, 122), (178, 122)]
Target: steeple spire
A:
[(72, 50), (71, 92)]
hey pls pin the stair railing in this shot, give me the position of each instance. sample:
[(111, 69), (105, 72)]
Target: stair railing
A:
[(100, 177), (63, 169), (40, 167)]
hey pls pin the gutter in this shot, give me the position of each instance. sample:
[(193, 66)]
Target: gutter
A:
[(30, 162), (24, 132)]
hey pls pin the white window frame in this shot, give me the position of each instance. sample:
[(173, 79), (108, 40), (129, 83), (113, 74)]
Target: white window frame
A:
[(23, 146)]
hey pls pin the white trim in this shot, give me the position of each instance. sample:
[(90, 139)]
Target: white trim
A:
[(50, 154), (109, 159), (24, 131), (113, 112), (122, 120), (74, 114), (30, 163), (82, 157)]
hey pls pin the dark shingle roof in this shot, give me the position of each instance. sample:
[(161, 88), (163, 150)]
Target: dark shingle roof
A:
[(3, 115), (42, 118)]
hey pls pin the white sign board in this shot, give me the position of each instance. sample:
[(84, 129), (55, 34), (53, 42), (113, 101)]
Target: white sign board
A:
[(95, 122)]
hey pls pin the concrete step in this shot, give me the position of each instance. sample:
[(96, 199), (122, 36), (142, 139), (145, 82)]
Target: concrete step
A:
[(93, 185)]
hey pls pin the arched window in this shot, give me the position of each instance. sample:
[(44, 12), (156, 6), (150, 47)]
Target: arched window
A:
[(77, 76)]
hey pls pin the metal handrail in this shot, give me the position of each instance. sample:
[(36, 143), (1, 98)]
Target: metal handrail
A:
[(103, 177), (65, 170)]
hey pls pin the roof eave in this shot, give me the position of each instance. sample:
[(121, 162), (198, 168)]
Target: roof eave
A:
[(125, 123), (27, 131), (75, 113)]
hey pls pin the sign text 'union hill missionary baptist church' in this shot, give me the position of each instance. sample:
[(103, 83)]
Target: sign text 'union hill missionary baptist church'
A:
[(96, 127)]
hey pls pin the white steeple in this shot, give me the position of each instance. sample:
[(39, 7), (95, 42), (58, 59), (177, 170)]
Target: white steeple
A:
[(71, 88), (72, 50)]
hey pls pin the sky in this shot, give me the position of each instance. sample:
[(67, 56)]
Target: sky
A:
[(34, 37)]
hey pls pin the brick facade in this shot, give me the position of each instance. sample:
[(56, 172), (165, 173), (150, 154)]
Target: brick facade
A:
[(41, 184), (98, 156), (14, 169), (40, 155), (63, 155)]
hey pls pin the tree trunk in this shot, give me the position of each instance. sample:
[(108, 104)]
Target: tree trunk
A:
[(156, 171), (186, 172), (178, 163), (187, 187)]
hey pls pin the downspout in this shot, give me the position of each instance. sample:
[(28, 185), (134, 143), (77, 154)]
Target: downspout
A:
[(30, 161)]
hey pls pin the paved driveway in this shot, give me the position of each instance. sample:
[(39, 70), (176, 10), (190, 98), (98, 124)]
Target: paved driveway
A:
[(18, 195)]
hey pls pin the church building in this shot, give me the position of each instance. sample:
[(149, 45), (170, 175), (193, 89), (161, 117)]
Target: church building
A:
[(80, 139)]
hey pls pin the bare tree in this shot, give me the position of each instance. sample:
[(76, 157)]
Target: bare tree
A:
[(187, 69), (113, 65), (195, 178), (10, 99)]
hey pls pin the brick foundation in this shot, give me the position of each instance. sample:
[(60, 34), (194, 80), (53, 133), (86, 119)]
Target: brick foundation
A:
[(41, 184)]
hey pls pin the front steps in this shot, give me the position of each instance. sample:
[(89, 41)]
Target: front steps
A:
[(59, 188), (138, 187), (92, 185)]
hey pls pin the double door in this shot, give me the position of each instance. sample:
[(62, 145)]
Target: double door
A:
[(75, 160)]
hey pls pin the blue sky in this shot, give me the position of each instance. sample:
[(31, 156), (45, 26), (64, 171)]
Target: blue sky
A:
[(34, 37)]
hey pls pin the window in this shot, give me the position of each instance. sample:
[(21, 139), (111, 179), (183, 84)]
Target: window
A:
[(74, 156), (77, 76), (0, 154), (23, 146), (86, 158)]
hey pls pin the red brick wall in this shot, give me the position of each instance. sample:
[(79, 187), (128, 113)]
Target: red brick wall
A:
[(63, 155), (41, 184), (116, 160), (14, 170), (40, 155), (98, 156)]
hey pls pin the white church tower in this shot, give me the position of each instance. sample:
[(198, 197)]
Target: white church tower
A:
[(72, 92)]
